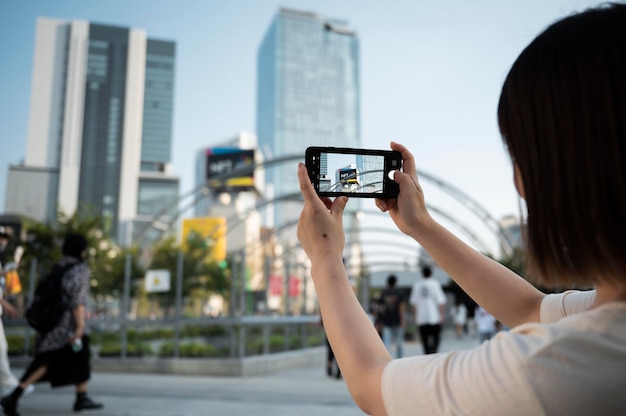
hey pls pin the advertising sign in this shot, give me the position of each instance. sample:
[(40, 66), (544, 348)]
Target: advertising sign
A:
[(222, 160), (212, 230)]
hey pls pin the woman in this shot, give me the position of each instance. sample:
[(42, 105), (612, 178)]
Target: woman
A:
[(562, 115), (62, 355)]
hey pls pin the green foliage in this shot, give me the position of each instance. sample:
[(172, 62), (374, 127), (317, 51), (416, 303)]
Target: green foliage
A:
[(189, 349), (16, 344), (255, 345), (106, 259), (105, 337), (207, 331), (200, 275), (133, 349)]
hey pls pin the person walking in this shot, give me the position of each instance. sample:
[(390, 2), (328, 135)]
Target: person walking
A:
[(428, 301), (562, 117), (392, 315), (459, 316), (62, 355), (485, 324), (9, 260)]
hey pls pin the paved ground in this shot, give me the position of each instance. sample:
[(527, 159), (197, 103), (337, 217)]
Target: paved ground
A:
[(299, 392)]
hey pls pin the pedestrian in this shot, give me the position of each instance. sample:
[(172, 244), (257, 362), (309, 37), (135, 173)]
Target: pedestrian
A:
[(459, 316), (429, 303), (62, 355), (9, 261), (392, 315), (485, 324), (562, 115)]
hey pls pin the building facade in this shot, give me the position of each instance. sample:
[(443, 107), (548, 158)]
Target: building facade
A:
[(307, 95), (100, 129)]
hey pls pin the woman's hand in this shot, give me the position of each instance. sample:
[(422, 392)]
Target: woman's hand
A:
[(408, 211), (320, 228)]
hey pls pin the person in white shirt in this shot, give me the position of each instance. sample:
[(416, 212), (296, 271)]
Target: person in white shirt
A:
[(428, 301), (8, 261), (485, 324), (459, 316), (562, 115)]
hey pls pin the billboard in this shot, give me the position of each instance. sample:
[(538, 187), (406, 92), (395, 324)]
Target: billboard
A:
[(222, 160), (212, 230)]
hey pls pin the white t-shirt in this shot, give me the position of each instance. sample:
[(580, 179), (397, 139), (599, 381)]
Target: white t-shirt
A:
[(570, 366), (426, 296), (485, 322)]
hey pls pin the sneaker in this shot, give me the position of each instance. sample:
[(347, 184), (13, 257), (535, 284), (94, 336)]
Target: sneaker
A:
[(85, 403), (28, 390)]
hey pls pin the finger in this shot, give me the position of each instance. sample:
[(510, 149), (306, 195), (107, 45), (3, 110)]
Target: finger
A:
[(338, 206), (328, 202), (404, 180), (306, 188), (381, 204), (408, 162)]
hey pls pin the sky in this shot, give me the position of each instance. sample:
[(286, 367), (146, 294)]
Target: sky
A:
[(431, 73)]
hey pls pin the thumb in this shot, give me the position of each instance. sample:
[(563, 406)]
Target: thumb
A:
[(339, 204)]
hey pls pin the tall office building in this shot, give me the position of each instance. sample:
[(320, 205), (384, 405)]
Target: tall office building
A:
[(307, 94), (100, 130)]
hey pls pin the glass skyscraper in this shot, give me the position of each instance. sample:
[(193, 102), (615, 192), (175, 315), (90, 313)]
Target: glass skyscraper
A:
[(307, 94), (100, 129)]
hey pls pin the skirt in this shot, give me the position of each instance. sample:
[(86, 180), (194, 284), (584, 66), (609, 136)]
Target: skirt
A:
[(65, 367)]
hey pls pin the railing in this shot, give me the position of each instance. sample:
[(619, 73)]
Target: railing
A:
[(237, 331)]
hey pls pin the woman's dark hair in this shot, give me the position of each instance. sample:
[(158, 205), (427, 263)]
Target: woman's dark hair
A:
[(74, 245), (562, 115)]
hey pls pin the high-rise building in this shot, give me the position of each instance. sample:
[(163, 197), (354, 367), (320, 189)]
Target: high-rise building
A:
[(307, 94), (100, 129)]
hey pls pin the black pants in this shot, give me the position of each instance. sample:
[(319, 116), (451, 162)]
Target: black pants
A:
[(430, 336)]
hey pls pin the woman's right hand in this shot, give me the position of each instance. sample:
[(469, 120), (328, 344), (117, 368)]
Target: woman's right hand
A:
[(408, 211)]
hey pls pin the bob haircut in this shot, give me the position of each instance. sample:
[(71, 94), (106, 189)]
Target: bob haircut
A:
[(562, 116), (74, 245)]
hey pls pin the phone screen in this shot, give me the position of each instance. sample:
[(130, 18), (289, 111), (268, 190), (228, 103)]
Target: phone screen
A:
[(353, 172)]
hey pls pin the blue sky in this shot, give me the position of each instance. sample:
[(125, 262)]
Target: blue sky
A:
[(431, 72)]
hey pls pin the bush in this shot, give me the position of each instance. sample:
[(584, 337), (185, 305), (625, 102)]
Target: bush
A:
[(276, 344), (190, 349), (16, 344), (105, 337), (133, 349)]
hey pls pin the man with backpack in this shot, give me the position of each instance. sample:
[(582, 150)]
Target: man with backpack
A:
[(62, 354)]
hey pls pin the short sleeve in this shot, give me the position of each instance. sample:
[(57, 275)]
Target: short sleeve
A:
[(77, 285), (556, 306), (474, 382)]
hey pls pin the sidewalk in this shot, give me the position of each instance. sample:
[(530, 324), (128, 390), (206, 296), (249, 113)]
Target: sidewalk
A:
[(302, 392)]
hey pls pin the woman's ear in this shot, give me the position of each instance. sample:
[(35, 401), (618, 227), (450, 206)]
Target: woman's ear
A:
[(517, 179)]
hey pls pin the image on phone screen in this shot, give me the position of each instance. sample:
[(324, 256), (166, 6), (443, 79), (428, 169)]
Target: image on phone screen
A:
[(351, 173)]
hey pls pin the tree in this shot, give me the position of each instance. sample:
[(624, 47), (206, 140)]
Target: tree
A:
[(105, 258), (201, 275)]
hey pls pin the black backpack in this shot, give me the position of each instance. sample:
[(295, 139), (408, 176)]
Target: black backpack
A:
[(50, 302)]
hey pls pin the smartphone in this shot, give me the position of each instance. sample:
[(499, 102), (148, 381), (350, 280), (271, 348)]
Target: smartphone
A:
[(361, 173)]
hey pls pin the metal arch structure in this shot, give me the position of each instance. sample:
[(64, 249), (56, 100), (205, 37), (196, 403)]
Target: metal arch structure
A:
[(464, 199), (477, 209), (162, 217)]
